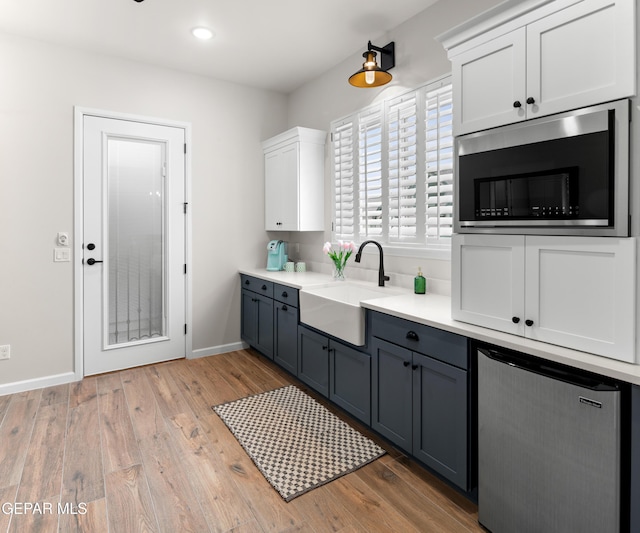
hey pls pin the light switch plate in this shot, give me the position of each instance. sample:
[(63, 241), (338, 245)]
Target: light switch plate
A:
[(5, 351), (61, 255)]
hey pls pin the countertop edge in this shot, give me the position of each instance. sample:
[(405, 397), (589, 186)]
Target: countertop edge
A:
[(437, 314)]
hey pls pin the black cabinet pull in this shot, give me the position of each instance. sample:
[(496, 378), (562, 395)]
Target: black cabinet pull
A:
[(415, 367), (324, 347), (412, 336), (264, 287), (531, 100), (285, 295), (406, 363), (529, 322), (284, 307), (517, 104), (247, 282), (515, 319)]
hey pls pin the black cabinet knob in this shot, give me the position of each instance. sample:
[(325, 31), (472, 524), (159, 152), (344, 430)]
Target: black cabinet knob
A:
[(412, 336), (415, 367), (284, 307), (517, 104), (406, 363), (264, 287), (247, 282), (515, 319), (324, 347), (529, 322), (285, 295), (531, 100)]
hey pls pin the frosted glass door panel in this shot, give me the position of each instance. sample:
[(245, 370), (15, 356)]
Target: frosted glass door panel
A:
[(135, 237)]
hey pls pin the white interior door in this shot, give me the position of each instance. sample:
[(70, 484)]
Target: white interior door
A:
[(134, 290)]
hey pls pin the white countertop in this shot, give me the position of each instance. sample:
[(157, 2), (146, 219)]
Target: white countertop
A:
[(435, 310)]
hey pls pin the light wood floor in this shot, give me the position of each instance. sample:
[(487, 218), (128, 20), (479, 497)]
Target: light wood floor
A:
[(141, 450)]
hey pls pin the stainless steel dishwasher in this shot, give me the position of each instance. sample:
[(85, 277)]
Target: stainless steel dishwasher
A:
[(549, 447)]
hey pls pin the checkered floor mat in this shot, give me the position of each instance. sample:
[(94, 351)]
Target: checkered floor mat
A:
[(295, 442)]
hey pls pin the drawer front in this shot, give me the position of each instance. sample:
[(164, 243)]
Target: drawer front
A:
[(257, 285), (442, 345), (285, 294)]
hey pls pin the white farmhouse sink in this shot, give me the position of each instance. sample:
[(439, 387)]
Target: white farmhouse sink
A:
[(335, 308)]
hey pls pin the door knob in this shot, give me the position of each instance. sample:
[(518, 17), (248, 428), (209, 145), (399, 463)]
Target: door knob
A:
[(92, 261), (91, 246)]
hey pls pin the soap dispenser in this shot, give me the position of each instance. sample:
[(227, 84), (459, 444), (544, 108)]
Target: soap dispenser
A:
[(419, 283)]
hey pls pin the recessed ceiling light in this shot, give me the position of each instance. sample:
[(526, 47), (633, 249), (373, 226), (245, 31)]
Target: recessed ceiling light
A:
[(202, 33)]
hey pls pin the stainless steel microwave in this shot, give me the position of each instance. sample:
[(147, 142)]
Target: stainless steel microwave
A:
[(565, 174)]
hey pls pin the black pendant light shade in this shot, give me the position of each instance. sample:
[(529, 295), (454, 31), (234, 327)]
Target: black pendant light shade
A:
[(372, 75)]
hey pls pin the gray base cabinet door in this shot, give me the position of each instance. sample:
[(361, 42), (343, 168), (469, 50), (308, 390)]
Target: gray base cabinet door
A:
[(635, 458), (257, 321), (313, 360), (440, 417), (350, 380), (285, 342), (391, 396)]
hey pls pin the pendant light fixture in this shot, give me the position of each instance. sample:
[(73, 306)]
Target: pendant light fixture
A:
[(372, 75)]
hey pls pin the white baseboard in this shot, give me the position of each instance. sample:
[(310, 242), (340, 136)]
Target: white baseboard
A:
[(38, 383), (216, 350)]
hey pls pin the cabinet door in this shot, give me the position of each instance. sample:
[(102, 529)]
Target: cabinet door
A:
[(581, 55), (580, 293), (313, 360), (249, 316), (281, 188), (488, 281), (440, 418), (285, 331), (350, 380), (391, 398), (264, 323), (487, 81)]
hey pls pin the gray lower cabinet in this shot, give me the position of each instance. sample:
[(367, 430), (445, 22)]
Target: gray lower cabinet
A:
[(420, 401), (337, 371), (257, 321), (285, 327), (269, 320), (635, 459), (350, 380)]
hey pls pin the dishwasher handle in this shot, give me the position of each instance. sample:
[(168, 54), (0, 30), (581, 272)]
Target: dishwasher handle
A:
[(557, 371)]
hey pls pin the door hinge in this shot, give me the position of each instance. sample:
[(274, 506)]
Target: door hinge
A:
[(185, 329), (185, 268), (331, 136), (185, 148), (185, 207), (164, 170)]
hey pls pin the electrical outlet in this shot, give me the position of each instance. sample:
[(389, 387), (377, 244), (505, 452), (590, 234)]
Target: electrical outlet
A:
[(5, 351)]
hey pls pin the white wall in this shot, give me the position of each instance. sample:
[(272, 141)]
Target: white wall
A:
[(419, 59), (40, 86)]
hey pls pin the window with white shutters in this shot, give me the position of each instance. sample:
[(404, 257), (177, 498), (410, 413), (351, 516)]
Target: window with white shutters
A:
[(344, 179), (393, 171)]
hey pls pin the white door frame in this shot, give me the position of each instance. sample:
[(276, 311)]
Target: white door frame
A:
[(78, 202)]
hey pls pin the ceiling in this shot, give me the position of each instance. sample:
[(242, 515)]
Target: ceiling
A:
[(272, 44)]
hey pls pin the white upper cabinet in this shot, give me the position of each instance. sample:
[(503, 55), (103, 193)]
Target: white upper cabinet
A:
[(294, 180), (563, 55), (577, 292)]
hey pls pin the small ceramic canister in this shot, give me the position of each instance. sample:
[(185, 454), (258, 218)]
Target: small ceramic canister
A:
[(288, 266), (301, 267)]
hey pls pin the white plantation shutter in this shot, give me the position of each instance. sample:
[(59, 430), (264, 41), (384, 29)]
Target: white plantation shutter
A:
[(393, 170), (344, 179), (402, 189), (370, 173), (439, 162)]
